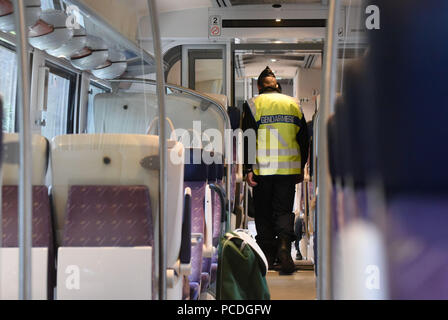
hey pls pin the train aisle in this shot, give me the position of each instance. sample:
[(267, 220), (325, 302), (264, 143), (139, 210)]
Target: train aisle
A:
[(300, 285)]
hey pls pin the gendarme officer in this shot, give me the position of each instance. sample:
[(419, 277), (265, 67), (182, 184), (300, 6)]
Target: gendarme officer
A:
[(281, 153)]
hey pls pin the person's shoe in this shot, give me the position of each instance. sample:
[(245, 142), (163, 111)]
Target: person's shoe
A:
[(287, 265), (299, 256)]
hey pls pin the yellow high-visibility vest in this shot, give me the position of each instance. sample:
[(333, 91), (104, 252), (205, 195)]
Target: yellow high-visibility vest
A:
[(278, 119)]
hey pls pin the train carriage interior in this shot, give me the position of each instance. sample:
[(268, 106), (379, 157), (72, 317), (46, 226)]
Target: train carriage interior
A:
[(121, 150)]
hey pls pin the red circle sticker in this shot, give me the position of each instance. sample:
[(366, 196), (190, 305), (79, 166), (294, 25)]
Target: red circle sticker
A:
[(215, 31)]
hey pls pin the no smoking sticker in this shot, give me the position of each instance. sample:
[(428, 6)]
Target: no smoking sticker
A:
[(215, 26)]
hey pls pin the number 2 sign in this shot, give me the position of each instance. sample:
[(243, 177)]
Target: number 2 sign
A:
[(214, 26)]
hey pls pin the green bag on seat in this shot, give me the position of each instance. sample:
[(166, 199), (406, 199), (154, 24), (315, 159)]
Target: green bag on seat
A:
[(242, 269)]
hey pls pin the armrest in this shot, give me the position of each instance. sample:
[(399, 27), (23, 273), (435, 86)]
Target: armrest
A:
[(222, 198)]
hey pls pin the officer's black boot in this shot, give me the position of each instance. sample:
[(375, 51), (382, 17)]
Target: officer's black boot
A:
[(284, 255)]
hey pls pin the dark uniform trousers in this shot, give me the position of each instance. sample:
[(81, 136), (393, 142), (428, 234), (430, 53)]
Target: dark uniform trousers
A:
[(274, 202)]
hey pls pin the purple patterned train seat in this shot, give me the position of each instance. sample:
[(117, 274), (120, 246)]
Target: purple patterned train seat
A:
[(219, 217), (195, 176), (42, 222), (215, 175), (197, 227), (113, 179), (108, 216), (42, 226)]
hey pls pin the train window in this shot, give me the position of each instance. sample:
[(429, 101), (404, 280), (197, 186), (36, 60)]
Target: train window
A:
[(206, 72), (175, 74), (8, 87), (173, 58), (53, 4), (94, 89), (47, 4), (59, 114)]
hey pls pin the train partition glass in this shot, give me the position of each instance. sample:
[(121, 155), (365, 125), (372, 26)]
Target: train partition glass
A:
[(194, 120)]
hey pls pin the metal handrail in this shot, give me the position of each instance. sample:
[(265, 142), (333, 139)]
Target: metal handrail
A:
[(163, 153), (324, 280), (25, 175)]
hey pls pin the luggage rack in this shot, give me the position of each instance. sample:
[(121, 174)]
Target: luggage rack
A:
[(134, 53)]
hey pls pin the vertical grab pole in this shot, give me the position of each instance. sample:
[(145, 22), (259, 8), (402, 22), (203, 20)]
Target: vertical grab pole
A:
[(162, 147), (229, 192), (25, 187), (228, 144), (324, 285), (246, 205)]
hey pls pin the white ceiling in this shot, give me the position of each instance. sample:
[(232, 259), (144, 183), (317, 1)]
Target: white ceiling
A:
[(176, 5)]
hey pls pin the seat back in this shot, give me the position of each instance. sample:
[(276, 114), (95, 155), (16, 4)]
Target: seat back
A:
[(11, 159), (42, 222), (118, 160), (42, 229), (196, 174)]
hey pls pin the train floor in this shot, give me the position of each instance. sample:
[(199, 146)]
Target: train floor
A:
[(301, 285)]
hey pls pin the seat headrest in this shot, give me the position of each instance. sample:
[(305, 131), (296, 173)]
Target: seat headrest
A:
[(11, 159), (216, 168), (235, 117), (195, 167)]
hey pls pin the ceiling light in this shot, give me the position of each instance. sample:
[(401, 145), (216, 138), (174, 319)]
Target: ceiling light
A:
[(274, 60), (278, 20)]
